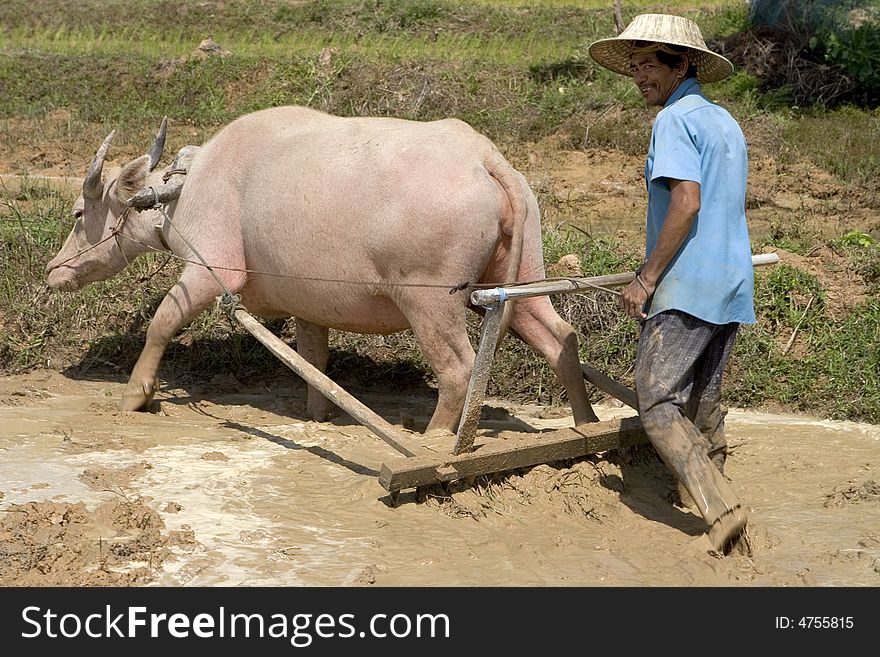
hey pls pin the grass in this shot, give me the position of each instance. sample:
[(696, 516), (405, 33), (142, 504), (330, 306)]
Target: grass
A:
[(843, 141), (836, 375), (517, 71), (494, 48)]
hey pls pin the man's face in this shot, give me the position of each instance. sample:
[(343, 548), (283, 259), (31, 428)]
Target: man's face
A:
[(655, 79)]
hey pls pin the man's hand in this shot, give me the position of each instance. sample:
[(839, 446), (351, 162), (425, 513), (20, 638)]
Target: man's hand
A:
[(635, 296)]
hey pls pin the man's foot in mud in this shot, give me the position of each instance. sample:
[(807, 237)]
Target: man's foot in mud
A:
[(727, 529)]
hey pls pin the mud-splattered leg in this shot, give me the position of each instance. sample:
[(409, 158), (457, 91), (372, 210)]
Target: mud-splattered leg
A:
[(671, 343), (704, 401), (538, 324), (194, 292), (438, 322), (312, 344)]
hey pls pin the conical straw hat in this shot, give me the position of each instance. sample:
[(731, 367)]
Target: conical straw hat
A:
[(661, 28)]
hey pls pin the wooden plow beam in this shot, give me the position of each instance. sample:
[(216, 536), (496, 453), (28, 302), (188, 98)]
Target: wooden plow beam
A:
[(315, 377), (422, 466)]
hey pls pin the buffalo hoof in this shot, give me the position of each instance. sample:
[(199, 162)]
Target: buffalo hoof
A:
[(138, 397), (591, 419), (319, 415), (439, 432), (319, 408)]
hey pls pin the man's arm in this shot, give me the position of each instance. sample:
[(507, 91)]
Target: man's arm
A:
[(683, 207)]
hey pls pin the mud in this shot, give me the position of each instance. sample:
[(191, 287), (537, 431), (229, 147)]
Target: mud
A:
[(229, 485)]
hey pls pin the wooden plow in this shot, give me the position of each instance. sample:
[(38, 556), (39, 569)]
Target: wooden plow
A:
[(475, 455)]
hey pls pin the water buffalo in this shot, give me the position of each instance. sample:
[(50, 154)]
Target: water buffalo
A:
[(357, 224)]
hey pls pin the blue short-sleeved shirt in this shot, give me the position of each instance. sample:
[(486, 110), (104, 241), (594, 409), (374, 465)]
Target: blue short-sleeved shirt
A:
[(711, 277)]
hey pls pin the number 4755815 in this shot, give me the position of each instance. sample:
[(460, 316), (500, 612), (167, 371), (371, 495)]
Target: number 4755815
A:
[(826, 622)]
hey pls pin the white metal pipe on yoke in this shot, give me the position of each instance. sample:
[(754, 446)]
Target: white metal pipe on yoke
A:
[(495, 294)]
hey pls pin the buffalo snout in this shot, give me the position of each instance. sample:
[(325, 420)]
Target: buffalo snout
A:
[(61, 278)]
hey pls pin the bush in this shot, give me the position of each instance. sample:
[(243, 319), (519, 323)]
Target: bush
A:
[(828, 47), (856, 51)]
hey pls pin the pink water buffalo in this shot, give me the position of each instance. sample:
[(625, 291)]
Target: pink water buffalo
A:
[(356, 224)]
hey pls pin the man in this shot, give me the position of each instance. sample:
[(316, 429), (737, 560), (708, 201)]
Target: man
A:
[(696, 285)]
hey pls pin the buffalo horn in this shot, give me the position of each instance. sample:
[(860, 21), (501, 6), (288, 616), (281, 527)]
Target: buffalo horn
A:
[(158, 144), (93, 187)]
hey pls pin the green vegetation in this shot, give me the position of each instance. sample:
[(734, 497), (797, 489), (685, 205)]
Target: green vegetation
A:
[(849, 37), (517, 71), (834, 373), (843, 141)]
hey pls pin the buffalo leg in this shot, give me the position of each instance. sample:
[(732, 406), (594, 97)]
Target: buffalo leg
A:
[(538, 324), (312, 344), (190, 296), (440, 328)]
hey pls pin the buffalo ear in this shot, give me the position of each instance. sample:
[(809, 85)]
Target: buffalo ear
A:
[(132, 178)]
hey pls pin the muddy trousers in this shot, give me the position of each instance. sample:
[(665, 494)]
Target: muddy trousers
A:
[(679, 367)]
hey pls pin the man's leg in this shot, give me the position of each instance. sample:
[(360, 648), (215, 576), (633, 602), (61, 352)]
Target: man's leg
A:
[(704, 403), (670, 345)]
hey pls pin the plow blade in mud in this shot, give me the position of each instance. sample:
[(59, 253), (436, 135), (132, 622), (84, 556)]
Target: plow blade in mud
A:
[(511, 450)]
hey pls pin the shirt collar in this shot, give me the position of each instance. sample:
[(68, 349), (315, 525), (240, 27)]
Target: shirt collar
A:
[(689, 86)]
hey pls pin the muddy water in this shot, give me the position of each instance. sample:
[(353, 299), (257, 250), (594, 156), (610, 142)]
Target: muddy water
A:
[(273, 500)]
